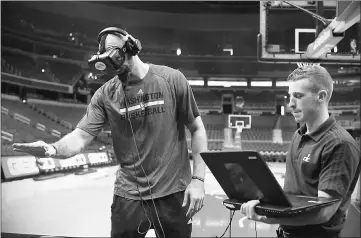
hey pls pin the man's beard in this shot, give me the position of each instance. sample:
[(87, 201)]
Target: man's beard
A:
[(124, 70), (124, 73)]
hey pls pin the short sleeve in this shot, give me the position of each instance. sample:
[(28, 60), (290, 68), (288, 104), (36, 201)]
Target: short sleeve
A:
[(338, 168), (95, 116), (187, 108)]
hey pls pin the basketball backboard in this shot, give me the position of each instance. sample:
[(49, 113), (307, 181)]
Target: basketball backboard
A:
[(235, 121), (290, 32)]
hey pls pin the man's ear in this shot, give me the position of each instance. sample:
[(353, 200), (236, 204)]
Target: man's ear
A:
[(322, 96)]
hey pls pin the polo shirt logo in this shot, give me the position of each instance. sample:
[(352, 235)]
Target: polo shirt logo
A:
[(307, 158)]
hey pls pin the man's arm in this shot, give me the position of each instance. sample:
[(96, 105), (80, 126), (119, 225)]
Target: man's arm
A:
[(72, 144), (308, 218), (194, 194), (199, 144)]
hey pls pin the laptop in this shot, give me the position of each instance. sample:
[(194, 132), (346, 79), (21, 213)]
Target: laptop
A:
[(245, 176)]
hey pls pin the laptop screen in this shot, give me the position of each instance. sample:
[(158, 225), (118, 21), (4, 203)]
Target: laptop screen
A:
[(244, 176), (243, 185)]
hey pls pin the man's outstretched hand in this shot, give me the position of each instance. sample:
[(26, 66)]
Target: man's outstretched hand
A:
[(37, 149)]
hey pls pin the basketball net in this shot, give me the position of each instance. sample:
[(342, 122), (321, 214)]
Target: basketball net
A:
[(237, 137), (238, 132), (239, 129)]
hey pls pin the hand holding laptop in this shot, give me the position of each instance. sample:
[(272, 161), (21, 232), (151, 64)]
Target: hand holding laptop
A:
[(245, 177), (248, 209)]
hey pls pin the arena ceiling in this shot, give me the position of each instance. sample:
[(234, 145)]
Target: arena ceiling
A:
[(231, 7)]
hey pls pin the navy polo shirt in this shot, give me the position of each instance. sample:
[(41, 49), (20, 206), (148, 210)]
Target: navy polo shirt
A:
[(327, 160)]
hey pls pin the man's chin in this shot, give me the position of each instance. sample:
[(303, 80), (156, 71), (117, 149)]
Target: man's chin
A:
[(123, 72), (299, 120)]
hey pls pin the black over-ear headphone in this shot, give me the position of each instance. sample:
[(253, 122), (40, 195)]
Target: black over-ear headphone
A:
[(109, 62)]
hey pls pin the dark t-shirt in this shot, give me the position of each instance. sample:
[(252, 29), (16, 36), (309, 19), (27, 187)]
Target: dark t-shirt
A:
[(158, 107), (327, 159)]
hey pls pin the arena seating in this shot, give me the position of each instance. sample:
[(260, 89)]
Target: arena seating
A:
[(71, 114), (263, 122), (288, 123), (256, 134), (288, 126), (34, 116), (66, 72), (287, 135), (258, 97), (22, 65), (345, 97), (208, 100), (215, 120), (23, 132), (265, 146)]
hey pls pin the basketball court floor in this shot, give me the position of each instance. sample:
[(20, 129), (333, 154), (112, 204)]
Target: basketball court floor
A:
[(79, 206)]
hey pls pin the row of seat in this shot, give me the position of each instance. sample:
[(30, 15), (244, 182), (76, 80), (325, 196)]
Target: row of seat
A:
[(53, 71), (35, 116)]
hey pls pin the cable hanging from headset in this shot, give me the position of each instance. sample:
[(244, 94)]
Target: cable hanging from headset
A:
[(150, 190), (151, 197)]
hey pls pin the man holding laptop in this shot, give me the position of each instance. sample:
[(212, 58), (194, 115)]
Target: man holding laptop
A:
[(322, 161)]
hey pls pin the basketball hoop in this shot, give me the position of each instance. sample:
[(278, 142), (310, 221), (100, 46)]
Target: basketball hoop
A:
[(304, 64), (236, 124)]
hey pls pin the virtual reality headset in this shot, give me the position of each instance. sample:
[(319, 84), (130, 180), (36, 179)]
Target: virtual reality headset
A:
[(111, 60)]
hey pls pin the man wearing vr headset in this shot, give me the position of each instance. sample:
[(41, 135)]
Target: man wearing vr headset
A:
[(147, 107)]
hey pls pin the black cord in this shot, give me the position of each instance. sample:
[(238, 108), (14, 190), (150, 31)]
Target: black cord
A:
[(136, 146), (150, 189), (255, 227), (229, 224), (150, 220)]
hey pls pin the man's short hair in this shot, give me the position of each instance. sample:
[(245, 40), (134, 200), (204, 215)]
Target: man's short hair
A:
[(102, 48), (317, 75)]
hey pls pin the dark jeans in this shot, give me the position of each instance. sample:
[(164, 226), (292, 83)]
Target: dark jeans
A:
[(129, 220), (306, 234)]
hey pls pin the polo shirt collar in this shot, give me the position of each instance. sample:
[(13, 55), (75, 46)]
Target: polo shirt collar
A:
[(320, 131)]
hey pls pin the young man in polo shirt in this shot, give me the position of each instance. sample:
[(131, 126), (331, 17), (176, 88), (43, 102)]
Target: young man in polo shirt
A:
[(323, 159)]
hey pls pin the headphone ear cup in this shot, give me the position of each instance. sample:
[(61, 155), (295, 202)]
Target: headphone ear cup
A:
[(138, 45), (133, 46), (130, 48)]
